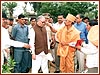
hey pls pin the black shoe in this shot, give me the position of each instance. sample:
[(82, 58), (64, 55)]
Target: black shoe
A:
[(57, 72), (40, 71), (27, 70)]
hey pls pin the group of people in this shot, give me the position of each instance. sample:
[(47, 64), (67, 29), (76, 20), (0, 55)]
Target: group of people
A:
[(43, 41)]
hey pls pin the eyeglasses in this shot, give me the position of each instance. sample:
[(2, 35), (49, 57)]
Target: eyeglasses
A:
[(42, 21)]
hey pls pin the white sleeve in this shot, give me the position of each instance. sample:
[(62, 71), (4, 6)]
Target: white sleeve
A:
[(16, 43), (56, 37), (31, 36), (55, 26), (10, 42), (89, 49), (48, 42)]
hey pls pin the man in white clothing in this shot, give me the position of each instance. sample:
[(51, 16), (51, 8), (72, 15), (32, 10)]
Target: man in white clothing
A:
[(32, 23), (40, 49), (54, 29), (91, 50)]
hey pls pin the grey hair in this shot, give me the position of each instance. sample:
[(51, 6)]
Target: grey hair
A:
[(40, 17)]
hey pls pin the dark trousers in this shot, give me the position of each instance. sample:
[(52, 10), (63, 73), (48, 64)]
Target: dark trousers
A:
[(29, 65), (57, 59), (21, 59), (12, 52)]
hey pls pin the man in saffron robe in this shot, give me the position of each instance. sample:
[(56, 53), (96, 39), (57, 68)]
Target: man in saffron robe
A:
[(66, 35)]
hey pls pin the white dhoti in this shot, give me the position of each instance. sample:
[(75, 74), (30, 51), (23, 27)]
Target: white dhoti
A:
[(41, 61)]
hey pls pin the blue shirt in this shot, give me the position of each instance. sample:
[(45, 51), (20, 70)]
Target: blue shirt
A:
[(20, 33), (82, 27)]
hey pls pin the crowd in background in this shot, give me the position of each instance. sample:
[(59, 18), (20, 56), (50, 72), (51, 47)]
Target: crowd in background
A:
[(70, 44)]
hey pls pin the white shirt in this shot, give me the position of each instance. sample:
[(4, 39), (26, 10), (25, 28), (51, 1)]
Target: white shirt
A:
[(49, 33), (92, 52), (30, 26), (7, 42), (31, 36), (58, 26)]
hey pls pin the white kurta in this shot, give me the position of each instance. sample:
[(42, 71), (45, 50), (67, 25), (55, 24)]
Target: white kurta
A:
[(41, 59), (92, 52), (7, 42), (31, 36), (58, 26)]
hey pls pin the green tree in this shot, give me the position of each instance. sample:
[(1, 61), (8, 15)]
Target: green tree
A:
[(25, 11), (9, 6), (56, 8), (92, 12), (36, 6)]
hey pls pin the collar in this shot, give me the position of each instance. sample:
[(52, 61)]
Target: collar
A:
[(79, 23), (70, 29), (21, 25)]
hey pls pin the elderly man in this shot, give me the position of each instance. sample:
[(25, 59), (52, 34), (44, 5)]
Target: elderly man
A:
[(39, 54), (66, 35)]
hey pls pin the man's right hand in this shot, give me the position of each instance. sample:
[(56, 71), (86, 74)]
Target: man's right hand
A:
[(27, 46), (48, 24)]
